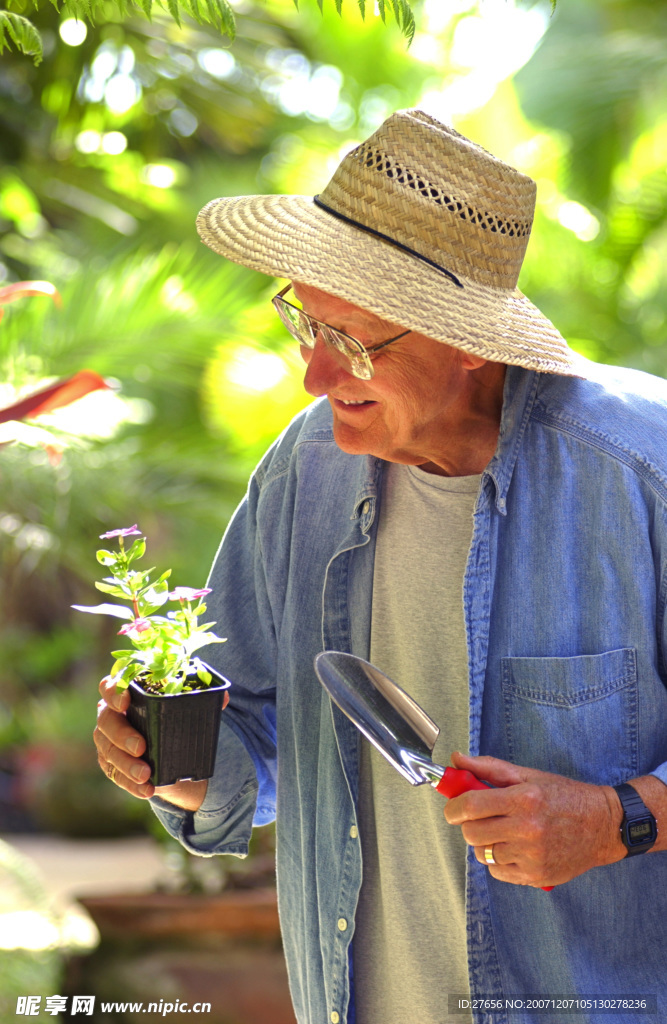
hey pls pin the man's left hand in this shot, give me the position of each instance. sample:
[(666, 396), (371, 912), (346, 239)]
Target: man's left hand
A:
[(544, 829)]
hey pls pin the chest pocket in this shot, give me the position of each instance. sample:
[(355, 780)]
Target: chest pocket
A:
[(574, 716)]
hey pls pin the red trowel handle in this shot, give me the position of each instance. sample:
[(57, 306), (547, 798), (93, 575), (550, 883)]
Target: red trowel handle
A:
[(456, 781)]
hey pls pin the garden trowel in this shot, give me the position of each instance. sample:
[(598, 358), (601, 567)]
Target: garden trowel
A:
[(392, 721)]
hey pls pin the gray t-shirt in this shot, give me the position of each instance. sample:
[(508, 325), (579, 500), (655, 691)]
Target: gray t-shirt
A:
[(410, 932)]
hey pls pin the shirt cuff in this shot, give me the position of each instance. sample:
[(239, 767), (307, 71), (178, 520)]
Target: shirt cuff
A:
[(660, 772)]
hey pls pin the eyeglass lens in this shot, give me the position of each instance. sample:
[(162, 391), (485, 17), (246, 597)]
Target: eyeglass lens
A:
[(306, 331)]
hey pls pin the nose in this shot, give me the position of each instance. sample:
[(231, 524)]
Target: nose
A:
[(323, 371)]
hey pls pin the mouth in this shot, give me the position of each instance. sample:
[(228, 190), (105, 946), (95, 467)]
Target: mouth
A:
[(351, 403)]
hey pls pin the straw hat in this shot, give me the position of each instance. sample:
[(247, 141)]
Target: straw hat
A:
[(420, 226)]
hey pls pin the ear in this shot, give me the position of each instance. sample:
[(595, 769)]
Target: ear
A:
[(468, 361)]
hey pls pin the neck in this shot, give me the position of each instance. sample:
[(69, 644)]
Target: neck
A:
[(475, 428)]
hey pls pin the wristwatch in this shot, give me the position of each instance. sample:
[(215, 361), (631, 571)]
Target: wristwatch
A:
[(639, 829)]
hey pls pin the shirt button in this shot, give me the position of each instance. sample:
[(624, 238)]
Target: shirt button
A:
[(354, 832), (335, 1017), (365, 507), (342, 924)]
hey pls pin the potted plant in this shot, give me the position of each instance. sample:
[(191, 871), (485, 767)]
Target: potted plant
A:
[(175, 698)]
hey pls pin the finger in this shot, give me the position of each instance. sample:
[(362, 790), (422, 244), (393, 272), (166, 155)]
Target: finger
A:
[(485, 831), (508, 869), (142, 790), (498, 852), (127, 772), (118, 731), (480, 803), (493, 770), (118, 700)]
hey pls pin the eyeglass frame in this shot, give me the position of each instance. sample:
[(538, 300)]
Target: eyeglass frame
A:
[(364, 353)]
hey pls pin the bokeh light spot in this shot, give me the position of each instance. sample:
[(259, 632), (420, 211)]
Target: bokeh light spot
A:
[(73, 32)]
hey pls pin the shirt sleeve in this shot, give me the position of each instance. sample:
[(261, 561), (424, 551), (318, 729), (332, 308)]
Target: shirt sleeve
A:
[(242, 791), (224, 821)]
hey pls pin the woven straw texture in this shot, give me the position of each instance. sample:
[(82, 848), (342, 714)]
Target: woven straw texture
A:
[(428, 189)]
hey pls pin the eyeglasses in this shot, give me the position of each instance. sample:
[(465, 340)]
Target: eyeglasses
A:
[(349, 352)]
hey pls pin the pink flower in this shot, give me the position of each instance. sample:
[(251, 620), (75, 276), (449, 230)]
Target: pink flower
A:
[(129, 531), (188, 594), (135, 628)]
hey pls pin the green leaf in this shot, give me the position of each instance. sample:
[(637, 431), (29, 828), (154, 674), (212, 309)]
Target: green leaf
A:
[(108, 588), (204, 676), (222, 16), (172, 6), (152, 598), (137, 550), (22, 33), (405, 19), (124, 678), (117, 610), (121, 665), (106, 557)]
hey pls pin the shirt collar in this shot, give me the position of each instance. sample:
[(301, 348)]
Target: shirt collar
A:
[(518, 399)]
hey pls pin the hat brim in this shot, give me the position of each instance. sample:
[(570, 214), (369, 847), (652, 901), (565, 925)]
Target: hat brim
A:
[(291, 237)]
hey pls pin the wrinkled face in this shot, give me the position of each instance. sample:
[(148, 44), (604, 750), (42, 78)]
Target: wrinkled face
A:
[(407, 412)]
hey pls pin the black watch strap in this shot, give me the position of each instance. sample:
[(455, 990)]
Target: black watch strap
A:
[(639, 829)]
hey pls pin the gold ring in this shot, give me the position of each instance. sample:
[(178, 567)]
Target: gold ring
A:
[(488, 855), (111, 771)]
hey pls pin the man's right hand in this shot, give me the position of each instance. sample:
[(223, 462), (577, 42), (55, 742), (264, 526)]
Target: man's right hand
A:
[(119, 750)]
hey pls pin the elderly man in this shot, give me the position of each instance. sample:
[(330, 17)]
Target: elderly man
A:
[(483, 514)]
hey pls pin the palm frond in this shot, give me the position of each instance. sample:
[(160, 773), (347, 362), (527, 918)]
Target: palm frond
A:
[(19, 30), (22, 33), (402, 11), (221, 16), (172, 6), (193, 8), (405, 19)]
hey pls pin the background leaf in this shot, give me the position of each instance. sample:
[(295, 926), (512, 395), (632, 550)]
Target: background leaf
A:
[(22, 33)]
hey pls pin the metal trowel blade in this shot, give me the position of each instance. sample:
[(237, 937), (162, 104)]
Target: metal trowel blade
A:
[(386, 715)]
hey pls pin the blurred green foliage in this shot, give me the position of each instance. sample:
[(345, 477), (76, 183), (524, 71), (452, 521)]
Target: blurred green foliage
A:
[(107, 150), (23, 898), (16, 28)]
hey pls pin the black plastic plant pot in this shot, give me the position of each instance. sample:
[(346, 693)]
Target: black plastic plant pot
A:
[(180, 729)]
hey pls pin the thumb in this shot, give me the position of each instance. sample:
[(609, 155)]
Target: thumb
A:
[(492, 769)]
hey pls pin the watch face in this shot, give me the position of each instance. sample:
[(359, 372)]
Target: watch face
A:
[(640, 831)]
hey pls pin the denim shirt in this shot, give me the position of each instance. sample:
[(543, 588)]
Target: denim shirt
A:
[(564, 600)]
